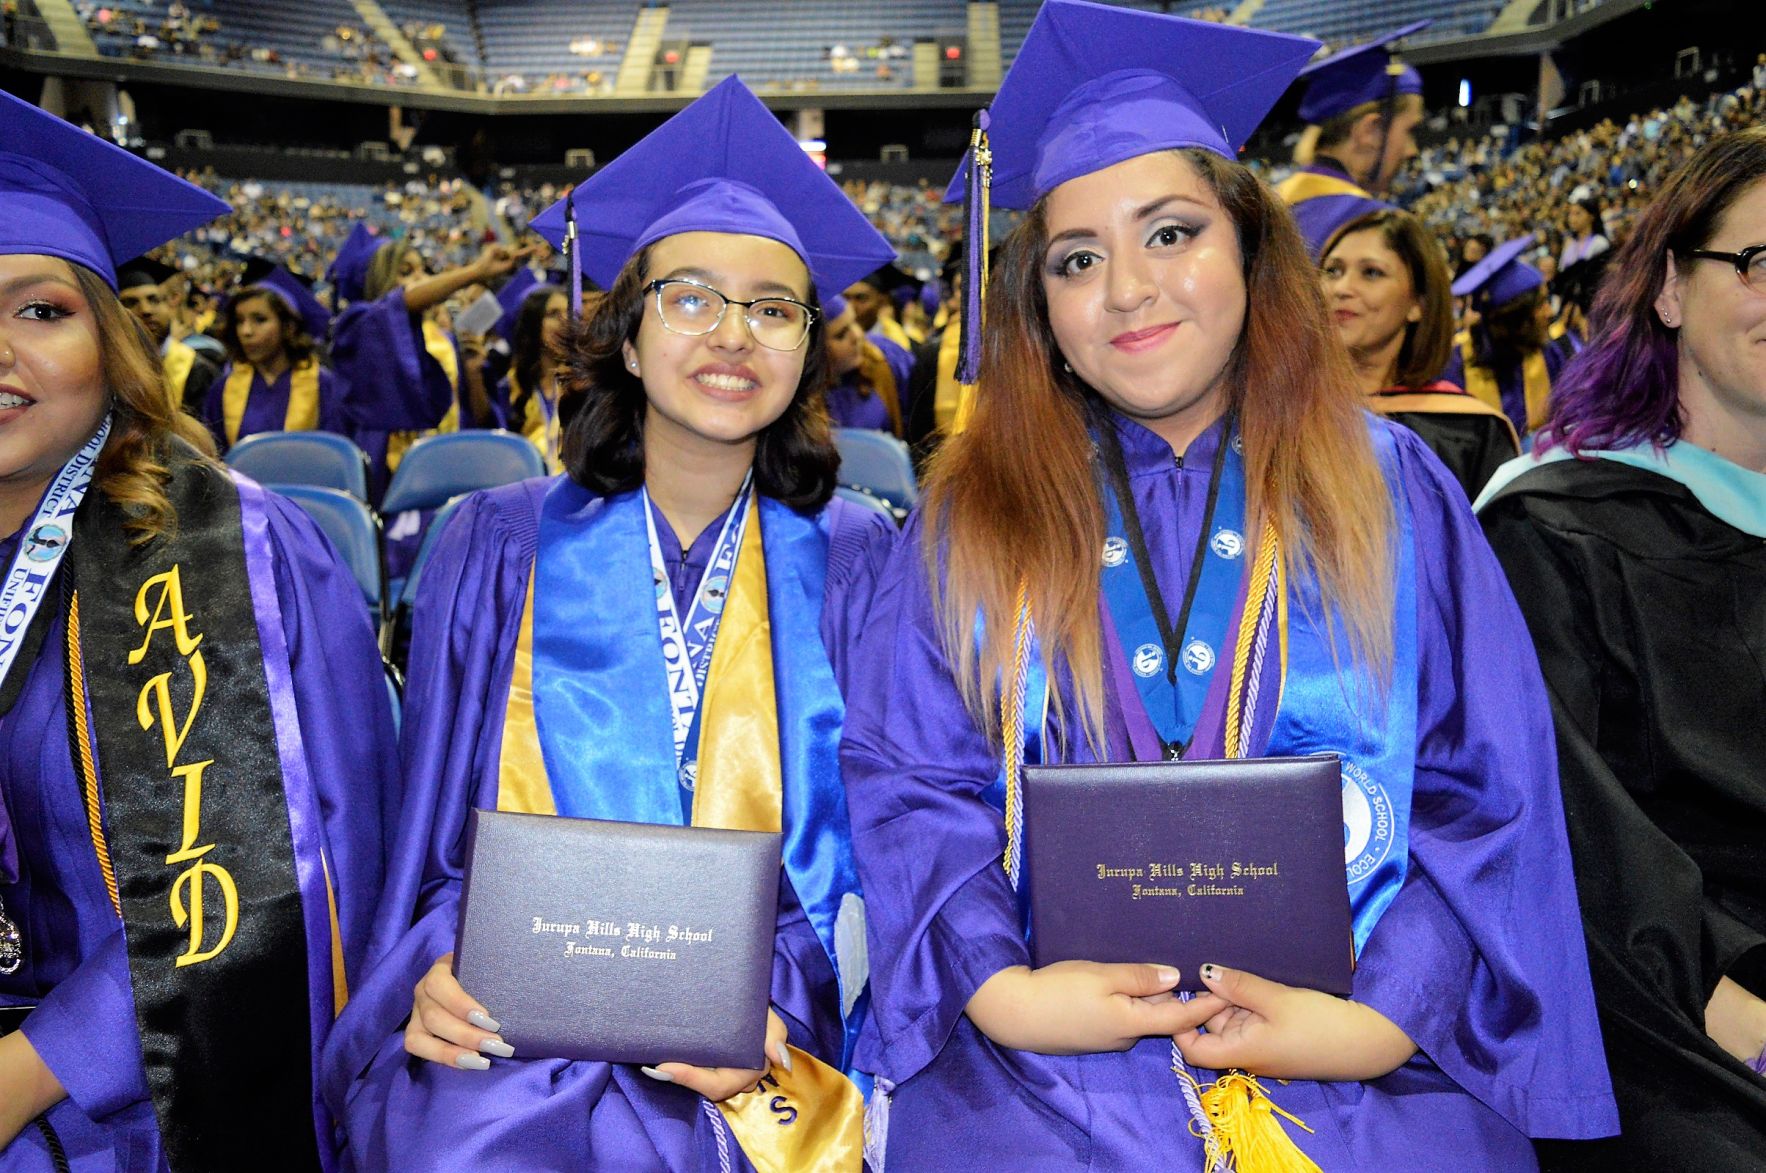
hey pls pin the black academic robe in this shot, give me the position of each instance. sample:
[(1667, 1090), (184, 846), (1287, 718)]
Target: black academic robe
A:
[(1650, 618), (1472, 439)]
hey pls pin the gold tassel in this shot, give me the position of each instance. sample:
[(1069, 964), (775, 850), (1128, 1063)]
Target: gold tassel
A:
[(1246, 1137)]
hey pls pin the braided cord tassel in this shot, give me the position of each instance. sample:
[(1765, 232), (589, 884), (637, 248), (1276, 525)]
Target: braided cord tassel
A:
[(1012, 732)]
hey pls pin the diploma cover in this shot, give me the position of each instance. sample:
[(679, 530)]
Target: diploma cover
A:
[(620, 942), (1236, 863)]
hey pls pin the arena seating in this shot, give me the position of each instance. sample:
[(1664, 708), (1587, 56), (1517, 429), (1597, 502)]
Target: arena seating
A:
[(532, 38), (1344, 22), (787, 45)]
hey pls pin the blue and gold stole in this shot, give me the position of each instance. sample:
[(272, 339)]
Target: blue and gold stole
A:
[(1325, 702), (589, 734), (302, 413)]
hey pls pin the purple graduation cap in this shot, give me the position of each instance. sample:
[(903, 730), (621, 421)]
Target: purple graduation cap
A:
[(1357, 76), (724, 164), (833, 306), (1500, 277), (1095, 85), (510, 297), (348, 273), (314, 317), (1323, 217), (69, 194)]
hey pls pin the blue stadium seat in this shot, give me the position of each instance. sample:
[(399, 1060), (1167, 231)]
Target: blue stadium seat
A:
[(879, 464), (439, 467), (354, 532), (860, 497), (396, 636), (303, 458)]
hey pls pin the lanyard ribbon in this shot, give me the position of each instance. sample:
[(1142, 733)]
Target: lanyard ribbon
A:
[(687, 647), (43, 546), (1174, 663)]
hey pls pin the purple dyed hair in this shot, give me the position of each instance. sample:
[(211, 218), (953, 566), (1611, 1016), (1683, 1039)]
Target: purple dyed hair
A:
[(1623, 389)]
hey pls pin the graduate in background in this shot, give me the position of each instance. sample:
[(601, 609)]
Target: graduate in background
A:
[(1137, 354), (1388, 290), (188, 374), (867, 385), (1363, 107), (402, 373), (531, 388), (700, 472), (1508, 358), (272, 327), (196, 750), (1641, 568)]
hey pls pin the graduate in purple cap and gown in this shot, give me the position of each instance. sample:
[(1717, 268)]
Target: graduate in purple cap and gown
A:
[(1160, 405), (273, 328), (402, 374), (868, 382), (695, 516), (530, 391), (196, 752), (1508, 357), (1362, 107)]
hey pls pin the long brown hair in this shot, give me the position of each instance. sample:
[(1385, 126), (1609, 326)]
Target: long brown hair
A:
[(132, 470), (1014, 499)]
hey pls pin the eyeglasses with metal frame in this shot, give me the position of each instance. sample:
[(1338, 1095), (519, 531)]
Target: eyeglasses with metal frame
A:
[(693, 308)]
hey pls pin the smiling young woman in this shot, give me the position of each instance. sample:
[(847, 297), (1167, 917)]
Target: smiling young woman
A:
[(274, 381), (1162, 402), (190, 780), (699, 471), (1388, 290)]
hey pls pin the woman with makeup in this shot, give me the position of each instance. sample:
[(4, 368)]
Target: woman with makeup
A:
[(1387, 288), (274, 381), (1634, 540), (196, 750), (1508, 357), (1162, 403), (694, 518)]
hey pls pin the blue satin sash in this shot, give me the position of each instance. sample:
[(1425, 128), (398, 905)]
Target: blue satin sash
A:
[(601, 692), (1322, 709)]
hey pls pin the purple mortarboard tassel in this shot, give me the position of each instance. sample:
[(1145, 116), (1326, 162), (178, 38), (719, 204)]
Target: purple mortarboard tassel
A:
[(573, 247), (975, 242)]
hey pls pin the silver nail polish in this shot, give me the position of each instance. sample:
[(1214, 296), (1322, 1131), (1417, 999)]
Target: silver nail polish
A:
[(484, 1021), (658, 1076), (498, 1048), (471, 1062), (784, 1057)]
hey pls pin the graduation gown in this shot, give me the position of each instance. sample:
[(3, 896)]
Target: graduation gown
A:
[(1507, 388), (1472, 438), (267, 406), (1477, 958), (76, 968), (1649, 613), (391, 381), (401, 1112), (858, 400)]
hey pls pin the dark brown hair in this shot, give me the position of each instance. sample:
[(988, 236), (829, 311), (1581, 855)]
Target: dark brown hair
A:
[(296, 341), (1013, 499), (795, 460), (1428, 341)]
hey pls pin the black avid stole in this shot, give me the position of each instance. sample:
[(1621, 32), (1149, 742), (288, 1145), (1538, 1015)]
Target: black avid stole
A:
[(164, 640)]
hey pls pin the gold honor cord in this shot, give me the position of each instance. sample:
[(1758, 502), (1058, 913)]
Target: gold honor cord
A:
[(809, 1119), (76, 678), (1535, 382), (302, 414), (1265, 570)]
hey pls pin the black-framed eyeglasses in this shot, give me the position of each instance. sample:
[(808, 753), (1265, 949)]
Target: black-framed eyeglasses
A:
[(694, 308), (1750, 263)]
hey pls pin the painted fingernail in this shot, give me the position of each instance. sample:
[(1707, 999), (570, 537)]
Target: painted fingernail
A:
[(783, 1055), (1168, 976), (498, 1048), (658, 1076), (471, 1062), (484, 1021), (1210, 973)]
